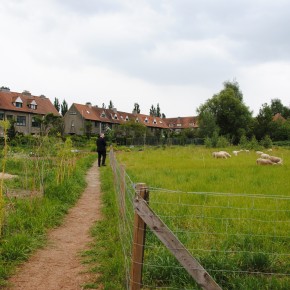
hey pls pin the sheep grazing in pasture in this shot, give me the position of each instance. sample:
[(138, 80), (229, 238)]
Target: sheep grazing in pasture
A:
[(259, 152), (236, 152), (265, 156), (262, 161), (276, 160), (270, 150), (221, 154)]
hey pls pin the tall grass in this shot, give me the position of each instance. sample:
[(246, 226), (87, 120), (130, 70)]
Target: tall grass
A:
[(28, 219), (236, 232)]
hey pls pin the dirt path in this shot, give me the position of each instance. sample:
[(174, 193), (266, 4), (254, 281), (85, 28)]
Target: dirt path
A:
[(58, 266)]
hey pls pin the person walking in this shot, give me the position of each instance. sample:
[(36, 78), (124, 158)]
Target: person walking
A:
[(102, 150)]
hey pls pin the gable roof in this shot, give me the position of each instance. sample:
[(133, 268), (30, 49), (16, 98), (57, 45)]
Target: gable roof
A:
[(182, 122), (44, 105), (279, 117), (94, 113)]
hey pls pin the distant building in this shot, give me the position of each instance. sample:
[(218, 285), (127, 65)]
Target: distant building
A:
[(23, 108), (79, 117), (180, 123)]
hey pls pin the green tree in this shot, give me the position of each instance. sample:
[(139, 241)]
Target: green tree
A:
[(158, 112), (264, 122), (226, 113), (111, 106), (56, 104), (152, 111), (64, 108), (136, 108)]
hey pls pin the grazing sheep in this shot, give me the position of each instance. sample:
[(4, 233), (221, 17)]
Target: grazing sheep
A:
[(219, 154), (276, 160), (226, 153), (259, 152), (236, 152), (262, 161), (270, 150), (265, 156)]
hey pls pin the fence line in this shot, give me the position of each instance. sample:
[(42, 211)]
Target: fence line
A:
[(235, 236)]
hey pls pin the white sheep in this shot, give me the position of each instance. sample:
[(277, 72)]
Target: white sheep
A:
[(221, 154), (235, 152), (276, 160), (226, 153), (262, 161), (259, 152), (265, 156)]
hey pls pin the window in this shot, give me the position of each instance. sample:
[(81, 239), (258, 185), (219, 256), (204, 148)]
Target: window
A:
[(34, 122), (127, 118), (21, 121), (72, 113), (154, 121), (1, 116), (18, 105), (115, 117), (104, 126), (33, 106), (146, 120)]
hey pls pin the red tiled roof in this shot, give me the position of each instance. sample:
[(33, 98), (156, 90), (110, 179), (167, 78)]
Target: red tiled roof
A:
[(94, 113), (44, 105), (182, 122), (278, 116)]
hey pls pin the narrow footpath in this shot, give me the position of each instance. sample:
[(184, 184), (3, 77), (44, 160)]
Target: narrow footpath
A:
[(58, 265)]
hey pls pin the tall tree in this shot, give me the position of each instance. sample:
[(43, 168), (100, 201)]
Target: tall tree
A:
[(152, 111), (111, 106), (136, 108), (158, 113), (56, 104), (64, 107), (227, 113)]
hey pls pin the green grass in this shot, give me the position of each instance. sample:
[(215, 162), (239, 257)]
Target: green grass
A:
[(106, 257), (235, 235), (28, 219)]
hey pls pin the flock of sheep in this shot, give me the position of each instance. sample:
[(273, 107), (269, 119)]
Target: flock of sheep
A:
[(264, 159)]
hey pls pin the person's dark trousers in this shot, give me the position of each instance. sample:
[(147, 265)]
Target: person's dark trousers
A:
[(101, 158)]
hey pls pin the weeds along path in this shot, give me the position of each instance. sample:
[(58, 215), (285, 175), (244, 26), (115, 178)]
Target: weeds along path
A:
[(58, 265)]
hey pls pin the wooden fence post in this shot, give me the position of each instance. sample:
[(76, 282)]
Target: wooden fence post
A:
[(122, 190), (138, 242)]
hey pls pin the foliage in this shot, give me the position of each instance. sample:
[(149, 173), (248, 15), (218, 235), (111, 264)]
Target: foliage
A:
[(136, 108), (56, 104), (63, 107), (111, 106), (28, 219), (266, 142), (131, 129), (225, 112)]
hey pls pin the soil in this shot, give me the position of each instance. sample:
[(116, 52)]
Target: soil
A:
[(58, 265)]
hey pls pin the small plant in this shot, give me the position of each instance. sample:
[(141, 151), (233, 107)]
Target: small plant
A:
[(5, 125)]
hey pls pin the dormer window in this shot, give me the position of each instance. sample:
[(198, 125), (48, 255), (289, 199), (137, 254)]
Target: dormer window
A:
[(103, 115), (137, 120), (32, 105), (154, 121), (127, 118), (115, 117), (18, 103), (146, 120)]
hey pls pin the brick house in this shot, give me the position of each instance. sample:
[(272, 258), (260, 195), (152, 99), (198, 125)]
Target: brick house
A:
[(79, 117), (23, 108), (180, 123)]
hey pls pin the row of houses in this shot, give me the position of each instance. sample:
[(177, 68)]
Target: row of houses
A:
[(23, 108)]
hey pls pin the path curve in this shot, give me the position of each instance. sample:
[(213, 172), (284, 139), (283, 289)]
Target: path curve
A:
[(58, 265)]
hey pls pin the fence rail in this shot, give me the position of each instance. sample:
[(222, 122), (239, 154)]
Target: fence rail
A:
[(239, 239)]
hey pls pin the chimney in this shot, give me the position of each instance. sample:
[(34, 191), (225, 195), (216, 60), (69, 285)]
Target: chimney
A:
[(4, 89), (26, 93), (89, 104), (114, 110)]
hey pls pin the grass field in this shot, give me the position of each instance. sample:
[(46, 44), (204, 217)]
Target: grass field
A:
[(232, 215)]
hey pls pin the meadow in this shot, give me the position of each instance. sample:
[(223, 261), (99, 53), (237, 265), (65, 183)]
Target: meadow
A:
[(231, 214)]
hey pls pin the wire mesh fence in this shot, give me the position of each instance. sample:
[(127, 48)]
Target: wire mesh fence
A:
[(242, 240)]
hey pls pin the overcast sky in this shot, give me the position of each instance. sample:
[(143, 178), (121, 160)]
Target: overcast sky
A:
[(177, 53)]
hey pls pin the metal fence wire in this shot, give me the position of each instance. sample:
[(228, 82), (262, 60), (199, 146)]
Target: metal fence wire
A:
[(243, 241)]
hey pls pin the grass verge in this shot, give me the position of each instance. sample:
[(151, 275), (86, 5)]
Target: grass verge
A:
[(106, 257), (28, 219)]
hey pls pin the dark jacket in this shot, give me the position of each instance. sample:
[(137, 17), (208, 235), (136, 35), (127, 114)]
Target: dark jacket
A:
[(101, 144)]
